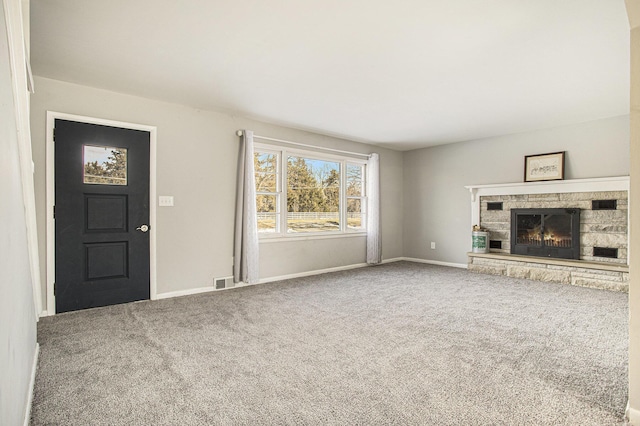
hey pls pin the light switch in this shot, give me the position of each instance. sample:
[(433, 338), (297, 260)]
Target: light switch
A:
[(165, 201)]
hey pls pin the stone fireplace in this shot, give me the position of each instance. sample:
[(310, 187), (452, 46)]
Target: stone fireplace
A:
[(598, 228), (571, 231)]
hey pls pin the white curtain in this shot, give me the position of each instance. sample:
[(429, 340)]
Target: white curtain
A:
[(374, 240), (245, 265)]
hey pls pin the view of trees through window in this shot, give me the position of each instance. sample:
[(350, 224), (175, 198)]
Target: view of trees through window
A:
[(267, 196), (105, 165), (313, 195), (313, 188), (355, 196)]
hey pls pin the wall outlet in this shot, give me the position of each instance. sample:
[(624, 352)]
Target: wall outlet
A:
[(165, 201), (433, 245)]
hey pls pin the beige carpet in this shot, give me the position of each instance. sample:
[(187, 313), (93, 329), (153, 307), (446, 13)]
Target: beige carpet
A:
[(401, 343)]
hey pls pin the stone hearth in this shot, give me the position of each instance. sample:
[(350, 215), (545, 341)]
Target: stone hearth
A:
[(606, 276)]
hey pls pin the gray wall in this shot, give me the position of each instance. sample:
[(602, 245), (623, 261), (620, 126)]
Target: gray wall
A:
[(197, 157), (437, 206), (17, 316)]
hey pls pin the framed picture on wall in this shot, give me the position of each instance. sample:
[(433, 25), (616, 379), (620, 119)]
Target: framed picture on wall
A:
[(544, 167)]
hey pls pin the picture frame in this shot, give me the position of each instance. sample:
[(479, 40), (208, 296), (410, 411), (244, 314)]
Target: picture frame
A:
[(542, 167)]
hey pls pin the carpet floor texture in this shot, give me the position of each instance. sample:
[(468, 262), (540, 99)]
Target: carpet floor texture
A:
[(397, 344)]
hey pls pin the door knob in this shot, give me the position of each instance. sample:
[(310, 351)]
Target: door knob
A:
[(143, 228)]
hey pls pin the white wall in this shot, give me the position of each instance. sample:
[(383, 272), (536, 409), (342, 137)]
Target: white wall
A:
[(17, 316), (633, 413), (437, 206), (197, 158)]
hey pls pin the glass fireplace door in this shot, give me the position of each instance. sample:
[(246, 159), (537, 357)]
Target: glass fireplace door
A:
[(546, 232), (529, 229)]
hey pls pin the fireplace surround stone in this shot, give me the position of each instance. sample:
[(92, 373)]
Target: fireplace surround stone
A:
[(598, 228)]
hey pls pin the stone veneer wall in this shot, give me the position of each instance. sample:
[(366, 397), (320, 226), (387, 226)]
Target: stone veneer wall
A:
[(598, 228)]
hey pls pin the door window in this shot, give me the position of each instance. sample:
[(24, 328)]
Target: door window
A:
[(104, 165)]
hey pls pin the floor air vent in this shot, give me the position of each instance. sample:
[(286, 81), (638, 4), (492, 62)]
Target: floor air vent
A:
[(221, 283)]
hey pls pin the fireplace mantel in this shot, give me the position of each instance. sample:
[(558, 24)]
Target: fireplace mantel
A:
[(618, 183)]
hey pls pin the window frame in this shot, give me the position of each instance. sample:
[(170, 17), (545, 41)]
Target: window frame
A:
[(283, 154), (362, 197)]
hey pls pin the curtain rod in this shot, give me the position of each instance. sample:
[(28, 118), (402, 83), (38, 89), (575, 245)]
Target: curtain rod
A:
[(239, 133)]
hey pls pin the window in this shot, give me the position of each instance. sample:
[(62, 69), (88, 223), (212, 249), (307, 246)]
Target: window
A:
[(313, 194), (302, 193), (267, 192), (356, 201), (104, 165)]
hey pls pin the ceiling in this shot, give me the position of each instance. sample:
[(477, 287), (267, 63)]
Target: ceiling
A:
[(403, 74)]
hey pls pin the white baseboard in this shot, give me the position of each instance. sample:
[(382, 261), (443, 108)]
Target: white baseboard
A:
[(32, 384), (436, 262), (310, 273), (273, 279), (170, 294), (44, 313), (301, 275), (632, 416)]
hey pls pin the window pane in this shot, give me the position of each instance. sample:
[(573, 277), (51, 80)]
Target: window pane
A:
[(355, 215), (265, 165), (266, 182), (266, 206), (104, 165), (267, 222), (354, 180), (265, 162), (313, 195)]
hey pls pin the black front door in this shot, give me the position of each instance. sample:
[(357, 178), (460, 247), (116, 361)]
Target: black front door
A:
[(101, 215)]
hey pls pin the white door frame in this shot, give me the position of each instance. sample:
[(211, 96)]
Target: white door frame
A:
[(16, 25), (51, 196)]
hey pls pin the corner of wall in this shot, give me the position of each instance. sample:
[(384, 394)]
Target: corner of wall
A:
[(32, 384)]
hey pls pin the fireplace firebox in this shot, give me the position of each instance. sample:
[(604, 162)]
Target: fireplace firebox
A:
[(546, 232)]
